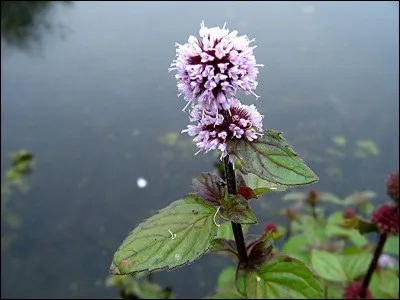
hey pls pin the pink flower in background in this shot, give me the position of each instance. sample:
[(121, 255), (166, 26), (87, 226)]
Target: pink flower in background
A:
[(392, 186), (386, 218), (211, 67), (353, 290)]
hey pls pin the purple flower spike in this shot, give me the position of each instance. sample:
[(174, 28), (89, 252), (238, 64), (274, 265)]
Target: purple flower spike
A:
[(210, 68), (213, 130)]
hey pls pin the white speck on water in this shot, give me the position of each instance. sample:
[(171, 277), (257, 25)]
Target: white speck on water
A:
[(273, 188), (141, 183), (178, 256), (258, 279)]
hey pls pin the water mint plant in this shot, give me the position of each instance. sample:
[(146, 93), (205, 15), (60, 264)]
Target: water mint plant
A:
[(210, 69)]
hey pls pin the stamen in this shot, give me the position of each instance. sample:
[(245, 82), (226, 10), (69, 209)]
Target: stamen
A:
[(187, 105)]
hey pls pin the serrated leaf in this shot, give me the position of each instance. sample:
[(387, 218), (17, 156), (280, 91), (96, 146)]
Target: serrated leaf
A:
[(282, 277), (271, 158), (210, 188), (260, 186), (236, 209), (176, 235)]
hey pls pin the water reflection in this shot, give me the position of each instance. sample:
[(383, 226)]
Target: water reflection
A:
[(23, 23), (99, 110)]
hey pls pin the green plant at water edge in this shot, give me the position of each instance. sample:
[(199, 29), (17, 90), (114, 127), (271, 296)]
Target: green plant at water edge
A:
[(14, 180), (209, 70)]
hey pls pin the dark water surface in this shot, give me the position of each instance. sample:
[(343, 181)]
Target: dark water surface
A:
[(90, 95)]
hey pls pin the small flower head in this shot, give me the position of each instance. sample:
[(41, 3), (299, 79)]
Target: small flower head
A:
[(211, 67), (213, 130), (353, 290), (392, 186), (386, 261), (348, 213), (312, 197), (386, 218), (270, 227)]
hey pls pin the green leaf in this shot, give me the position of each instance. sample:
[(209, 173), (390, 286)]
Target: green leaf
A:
[(282, 277), (333, 229), (340, 268), (226, 288), (226, 279), (385, 285), (327, 265), (210, 188), (235, 208), (271, 158), (296, 246), (334, 290), (225, 231), (138, 286), (260, 186), (367, 207), (355, 265), (294, 196), (331, 198), (314, 229), (241, 280), (176, 235), (392, 245), (359, 198)]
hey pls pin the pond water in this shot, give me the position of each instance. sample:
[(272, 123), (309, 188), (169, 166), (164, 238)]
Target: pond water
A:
[(87, 91)]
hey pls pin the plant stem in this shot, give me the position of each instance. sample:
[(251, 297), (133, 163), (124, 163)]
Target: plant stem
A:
[(288, 229), (314, 211), (373, 264), (236, 227)]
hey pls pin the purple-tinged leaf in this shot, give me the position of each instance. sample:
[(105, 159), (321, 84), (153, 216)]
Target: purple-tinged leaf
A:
[(236, 209), (210, 188), (227, 247)]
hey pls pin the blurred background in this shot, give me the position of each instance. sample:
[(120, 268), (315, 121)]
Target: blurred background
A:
[(85, 90)]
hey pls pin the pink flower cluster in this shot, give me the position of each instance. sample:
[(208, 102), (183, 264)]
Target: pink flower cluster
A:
[(209, 70)]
